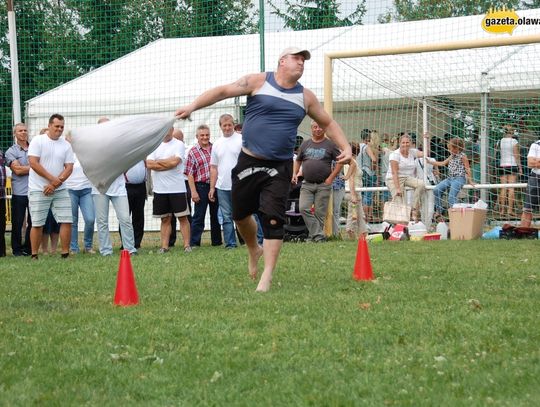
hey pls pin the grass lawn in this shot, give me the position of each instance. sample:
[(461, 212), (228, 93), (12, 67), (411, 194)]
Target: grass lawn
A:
[(445, 323)]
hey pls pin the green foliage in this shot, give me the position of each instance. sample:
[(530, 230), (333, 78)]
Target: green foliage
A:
[(446, 323), (313, 14), (412, 10), (59, 40)]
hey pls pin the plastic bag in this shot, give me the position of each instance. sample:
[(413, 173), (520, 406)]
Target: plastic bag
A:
[(109, 149)]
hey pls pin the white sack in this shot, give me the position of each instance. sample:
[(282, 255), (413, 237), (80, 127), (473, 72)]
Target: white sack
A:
[(109, 149)]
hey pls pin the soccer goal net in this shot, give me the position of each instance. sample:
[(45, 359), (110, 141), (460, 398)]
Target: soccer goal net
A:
[(485, 93)]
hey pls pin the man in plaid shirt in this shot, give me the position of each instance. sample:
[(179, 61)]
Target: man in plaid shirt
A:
[(198, 174)]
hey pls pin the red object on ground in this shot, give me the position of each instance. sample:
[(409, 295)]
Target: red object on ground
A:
[(362, 266), (126, 290)]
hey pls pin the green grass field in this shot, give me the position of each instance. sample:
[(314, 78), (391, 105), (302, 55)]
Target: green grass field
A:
[(444, 323)]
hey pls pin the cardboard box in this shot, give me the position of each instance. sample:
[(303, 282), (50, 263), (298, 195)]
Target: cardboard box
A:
[(466, 223)]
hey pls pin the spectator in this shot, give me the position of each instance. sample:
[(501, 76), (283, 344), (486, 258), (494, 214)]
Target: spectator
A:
[(17, 161), (3, 178), (179, 135), (532, 196), (80, 192), (198, 174), (223, 159), (167, 165), (356, 223), (367, 161), (459, 172), (135, 179), (389, 144), (401, 174), (316, 156), (51, 163), (117, 195), (338, 193), (509, 169), (428, 200)]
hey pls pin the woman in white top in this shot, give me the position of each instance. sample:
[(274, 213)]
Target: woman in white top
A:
[(509, 168), (402, 173)]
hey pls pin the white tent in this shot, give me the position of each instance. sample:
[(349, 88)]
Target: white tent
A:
[(168, 73)]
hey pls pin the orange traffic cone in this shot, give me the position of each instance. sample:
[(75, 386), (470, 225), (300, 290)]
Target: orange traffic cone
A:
[(126, 290), (362, 265)]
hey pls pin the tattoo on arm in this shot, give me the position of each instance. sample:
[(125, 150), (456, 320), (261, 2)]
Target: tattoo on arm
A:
[(242, 82)]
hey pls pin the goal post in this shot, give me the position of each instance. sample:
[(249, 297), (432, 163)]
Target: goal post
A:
[(470, 89)]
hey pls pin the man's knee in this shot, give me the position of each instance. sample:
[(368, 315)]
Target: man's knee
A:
[(272, 227)]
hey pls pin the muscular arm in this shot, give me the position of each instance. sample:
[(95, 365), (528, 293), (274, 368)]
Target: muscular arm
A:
[(163, 164), (330, 126), (296, 169), (213, 180), (19, 169), (533, 162), (194, 194), (333, 174), (243, 86), (54, 181), (41, 171)]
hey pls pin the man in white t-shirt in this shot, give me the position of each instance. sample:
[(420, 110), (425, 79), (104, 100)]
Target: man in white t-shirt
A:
[(223, 159), (170, 199), (532, 197), (51, 163)]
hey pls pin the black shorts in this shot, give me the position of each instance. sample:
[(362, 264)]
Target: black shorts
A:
[(169, 204), (532, 197), (260, 186), (513, 170)]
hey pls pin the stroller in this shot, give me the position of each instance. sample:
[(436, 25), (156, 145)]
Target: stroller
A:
[(295, 228)]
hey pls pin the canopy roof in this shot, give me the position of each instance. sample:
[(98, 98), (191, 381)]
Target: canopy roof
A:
[(169, 73)]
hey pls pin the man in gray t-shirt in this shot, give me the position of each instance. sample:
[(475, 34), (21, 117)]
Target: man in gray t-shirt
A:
[(315, 156)]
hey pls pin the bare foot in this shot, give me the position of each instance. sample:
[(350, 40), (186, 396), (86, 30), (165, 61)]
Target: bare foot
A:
[(264, 285), (254, 260)]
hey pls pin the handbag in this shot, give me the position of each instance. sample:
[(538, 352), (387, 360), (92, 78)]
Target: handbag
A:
[(395, 212)]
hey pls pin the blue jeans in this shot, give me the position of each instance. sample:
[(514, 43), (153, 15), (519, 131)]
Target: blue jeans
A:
[(368, 181), (455, 184), (225, 204), (199, 215), (121, 207), (82, 198)]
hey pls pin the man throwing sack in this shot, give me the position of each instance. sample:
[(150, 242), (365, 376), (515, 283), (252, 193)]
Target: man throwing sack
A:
[(276, 105)]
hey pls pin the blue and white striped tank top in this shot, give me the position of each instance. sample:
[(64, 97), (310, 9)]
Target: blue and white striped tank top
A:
[(272, 118)]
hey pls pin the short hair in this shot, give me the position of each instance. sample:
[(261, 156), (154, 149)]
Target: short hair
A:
[(238, 127), (202, 127), (365, 134), (18, 125), (403, 135), (56, 116), (225, 116)]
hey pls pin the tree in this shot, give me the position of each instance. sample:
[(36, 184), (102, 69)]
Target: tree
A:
[(59, 40), (312, 14), (412, 10)]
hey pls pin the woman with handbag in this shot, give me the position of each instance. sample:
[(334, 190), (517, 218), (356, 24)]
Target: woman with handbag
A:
[(402, 173)]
